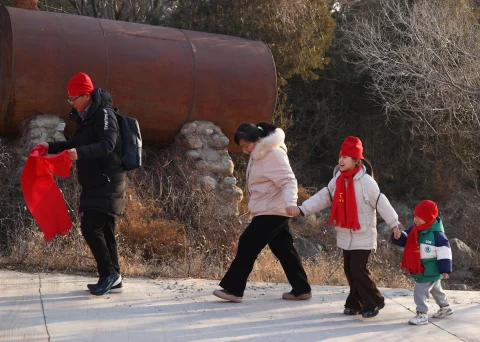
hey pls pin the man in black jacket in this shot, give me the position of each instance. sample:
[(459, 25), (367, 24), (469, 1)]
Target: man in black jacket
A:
[(97, 148)]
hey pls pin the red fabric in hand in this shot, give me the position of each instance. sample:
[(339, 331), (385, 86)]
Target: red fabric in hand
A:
[(41, 193)]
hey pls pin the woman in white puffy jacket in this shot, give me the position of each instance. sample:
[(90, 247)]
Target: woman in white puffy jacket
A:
[(355, 198), (272, 189)]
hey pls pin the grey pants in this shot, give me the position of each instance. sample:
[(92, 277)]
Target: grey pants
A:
[(422, 292)]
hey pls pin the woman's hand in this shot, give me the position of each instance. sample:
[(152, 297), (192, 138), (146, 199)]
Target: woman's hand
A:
[(446, 276), (72, 154), (292, 211)]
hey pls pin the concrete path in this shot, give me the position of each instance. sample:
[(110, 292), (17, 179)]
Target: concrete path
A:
[(57, 307)]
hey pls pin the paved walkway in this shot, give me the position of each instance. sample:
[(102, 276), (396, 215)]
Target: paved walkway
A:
[(57, 307)]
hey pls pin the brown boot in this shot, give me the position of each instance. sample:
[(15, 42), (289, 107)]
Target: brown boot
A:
[(291, 296), (227, 296)]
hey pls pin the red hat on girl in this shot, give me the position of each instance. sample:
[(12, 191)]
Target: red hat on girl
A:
[(352, 147), (80, 84), (427, 210)]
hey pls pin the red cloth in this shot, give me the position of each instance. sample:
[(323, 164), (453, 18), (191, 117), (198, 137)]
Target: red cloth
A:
[(42, 195), (344, 206), (427, 210), (80, 84), (352, 147)]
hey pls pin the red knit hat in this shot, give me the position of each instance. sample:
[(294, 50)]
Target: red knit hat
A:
[(352, 147), (80, 84), (427, 210)]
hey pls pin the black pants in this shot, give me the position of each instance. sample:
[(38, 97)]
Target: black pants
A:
[(363, 291), (98, 230), (274, 231)]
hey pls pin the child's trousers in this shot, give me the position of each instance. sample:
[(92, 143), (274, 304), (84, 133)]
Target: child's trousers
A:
[(421, 294)]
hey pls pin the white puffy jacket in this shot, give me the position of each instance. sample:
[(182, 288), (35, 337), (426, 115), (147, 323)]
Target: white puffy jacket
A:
[(271, 183), (369, 200)]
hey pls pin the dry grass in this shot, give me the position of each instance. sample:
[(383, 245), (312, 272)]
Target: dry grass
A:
[(168, 231)]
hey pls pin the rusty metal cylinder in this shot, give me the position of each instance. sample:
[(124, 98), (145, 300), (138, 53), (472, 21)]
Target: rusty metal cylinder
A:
[(162, 76)]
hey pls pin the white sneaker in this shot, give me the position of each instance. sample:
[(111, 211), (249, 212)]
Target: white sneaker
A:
[(419, 319), (443, 312)]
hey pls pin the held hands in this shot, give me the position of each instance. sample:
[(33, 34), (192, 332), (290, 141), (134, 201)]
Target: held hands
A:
[(446, 276), (396, 233), (292, 211), (72, 154)]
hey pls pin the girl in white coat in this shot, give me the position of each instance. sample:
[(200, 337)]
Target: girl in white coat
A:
[(272, 189), (355, 198)]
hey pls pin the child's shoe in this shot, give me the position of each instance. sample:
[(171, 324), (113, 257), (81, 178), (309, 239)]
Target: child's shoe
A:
[(443, 312), (419, 319)]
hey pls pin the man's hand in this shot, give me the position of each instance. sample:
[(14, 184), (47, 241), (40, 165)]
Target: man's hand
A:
[(43, 144), (446, 276), (72, 154), (396, 233), (292, 211)]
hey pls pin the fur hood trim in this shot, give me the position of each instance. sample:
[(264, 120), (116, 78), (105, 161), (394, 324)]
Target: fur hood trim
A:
[(269, 143)]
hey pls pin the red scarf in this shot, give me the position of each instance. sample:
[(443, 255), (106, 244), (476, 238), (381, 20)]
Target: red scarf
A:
[(344, 206), (411, 261), (42, 195)]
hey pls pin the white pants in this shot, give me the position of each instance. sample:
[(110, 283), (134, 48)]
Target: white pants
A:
[(422, 292)]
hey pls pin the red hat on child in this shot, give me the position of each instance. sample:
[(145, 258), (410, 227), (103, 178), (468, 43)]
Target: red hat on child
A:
[(80, 84), (351, 147), (427, 210)]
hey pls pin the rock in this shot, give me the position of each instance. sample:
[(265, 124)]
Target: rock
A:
[(218, 141), (229, 180), (189, 129), (459, 287), (210, 155), (231, 192), (306, 248), (205, 128), (208, 183), (192, 154), (192, 143), (460, 274), (224, 166), (462, 255), (205, 144)]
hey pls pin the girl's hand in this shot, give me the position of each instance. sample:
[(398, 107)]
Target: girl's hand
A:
[(446, 276), (396, 233), (292, 211)]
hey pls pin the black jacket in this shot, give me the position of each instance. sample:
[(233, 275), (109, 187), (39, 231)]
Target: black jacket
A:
[(99, 165)]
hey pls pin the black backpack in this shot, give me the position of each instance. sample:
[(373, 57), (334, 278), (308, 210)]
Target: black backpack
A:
[(131, 141)]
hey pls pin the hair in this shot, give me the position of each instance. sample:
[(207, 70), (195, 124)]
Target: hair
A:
[(367, 164), (251, 132)]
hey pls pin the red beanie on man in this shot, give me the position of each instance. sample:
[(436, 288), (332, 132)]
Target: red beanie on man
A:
[(352, 147), (80, 84), (427, 210)]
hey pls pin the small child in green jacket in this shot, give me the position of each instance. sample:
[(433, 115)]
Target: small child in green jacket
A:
[(428, 258)]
